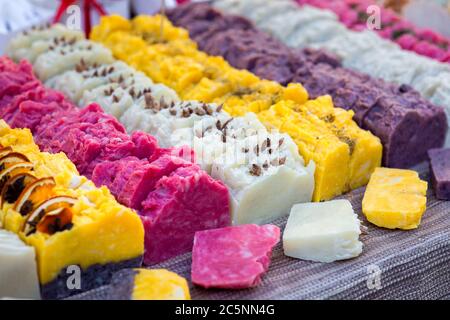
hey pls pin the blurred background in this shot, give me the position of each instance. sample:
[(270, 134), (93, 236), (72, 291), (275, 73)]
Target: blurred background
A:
[(18, 15)]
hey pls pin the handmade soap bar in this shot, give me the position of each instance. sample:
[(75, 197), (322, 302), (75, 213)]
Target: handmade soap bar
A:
[(395, 199), (18, 270), (322, 232), (233, 257), (148, 284), (256, 169), (315, 142), (60, 59), (440, 172), (64, 217)]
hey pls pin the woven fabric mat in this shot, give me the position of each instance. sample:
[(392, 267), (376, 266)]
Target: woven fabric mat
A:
[(394, 265)]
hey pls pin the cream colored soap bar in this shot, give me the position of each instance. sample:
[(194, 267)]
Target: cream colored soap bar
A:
[(18, 271), (322, 232), (395, 199)]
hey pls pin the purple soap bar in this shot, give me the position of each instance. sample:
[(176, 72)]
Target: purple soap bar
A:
[(440, 172)]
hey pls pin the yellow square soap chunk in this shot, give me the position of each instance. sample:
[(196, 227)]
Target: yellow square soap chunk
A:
[(395, 199)]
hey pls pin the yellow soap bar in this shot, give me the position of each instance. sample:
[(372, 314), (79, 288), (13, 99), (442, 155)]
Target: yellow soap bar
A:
[(365, 148), (102, 231), (159, 284), (395, 199), (315, 143)]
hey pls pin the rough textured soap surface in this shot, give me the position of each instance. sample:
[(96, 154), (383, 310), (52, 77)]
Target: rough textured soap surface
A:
[(18, 269), (322, 232), (395, 199), (233, 257), (440, 172), (175, 61)]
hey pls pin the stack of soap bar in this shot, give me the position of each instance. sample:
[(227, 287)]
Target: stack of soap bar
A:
[(173, 59), (440, 172), (395, 199), (216, 138), (323, 232), (233, 257), (148, 284), (64, 216), (173, 196), (18, 270), (415, 125)]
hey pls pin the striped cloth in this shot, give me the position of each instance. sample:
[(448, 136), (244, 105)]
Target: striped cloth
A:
[(394, 265)]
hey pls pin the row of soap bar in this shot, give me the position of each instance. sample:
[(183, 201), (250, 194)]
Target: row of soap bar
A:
[(354, 14), (305, 26), (63, 216), (163, 185), (344, 155), (19, 277), (415, 125), (252, 161)]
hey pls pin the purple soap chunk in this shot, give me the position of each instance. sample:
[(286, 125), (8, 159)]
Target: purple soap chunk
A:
[(440, 172)]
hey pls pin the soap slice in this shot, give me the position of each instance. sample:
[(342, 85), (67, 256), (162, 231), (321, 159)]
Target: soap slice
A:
[(440, 172), (233, 257), (323, 232), (255, 169), (146, 284), (18, 270), (395, 199)]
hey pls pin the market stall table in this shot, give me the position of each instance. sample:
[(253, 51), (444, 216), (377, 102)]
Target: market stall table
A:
[(406, 264)]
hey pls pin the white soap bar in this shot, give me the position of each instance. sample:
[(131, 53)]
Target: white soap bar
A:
[(65, 58), (74, 83), (33, 42), (322, 232), (18, 271), (265, 176)]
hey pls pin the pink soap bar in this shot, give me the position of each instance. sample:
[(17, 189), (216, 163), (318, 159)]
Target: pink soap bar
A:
[(184, 202), (233, 257)]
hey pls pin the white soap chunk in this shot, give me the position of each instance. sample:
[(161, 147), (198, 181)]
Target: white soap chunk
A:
[(74, 83), (265, 176), (322, 232), (18, 270), (31, 43), (65, 58)]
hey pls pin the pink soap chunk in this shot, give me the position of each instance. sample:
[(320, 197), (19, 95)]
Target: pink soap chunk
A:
[(132, 179), (186, 201), (15, 78), (233, 257)]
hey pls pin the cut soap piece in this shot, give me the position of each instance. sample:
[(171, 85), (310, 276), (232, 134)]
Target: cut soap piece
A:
[(395, 199), (146, 284), (18, 270), (323, 232), (440, 172), (233, 257), (255, 169)]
